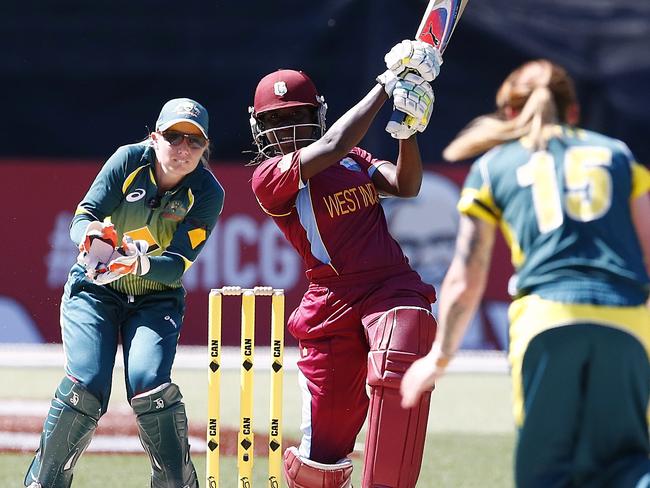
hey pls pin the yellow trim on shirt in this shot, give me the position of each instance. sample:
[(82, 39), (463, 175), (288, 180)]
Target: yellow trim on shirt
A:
[(269, 213), (129, 179), (640, 180), (197, 236), (532, 315), (479, 203)]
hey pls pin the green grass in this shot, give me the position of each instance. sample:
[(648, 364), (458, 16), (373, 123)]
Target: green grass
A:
[(469, 443), (450, 461)]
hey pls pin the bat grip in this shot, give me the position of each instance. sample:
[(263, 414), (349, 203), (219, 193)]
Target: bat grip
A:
[(398, 118)]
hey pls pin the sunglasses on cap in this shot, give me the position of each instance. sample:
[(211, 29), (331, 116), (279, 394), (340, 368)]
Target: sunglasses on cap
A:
[(174, 138)]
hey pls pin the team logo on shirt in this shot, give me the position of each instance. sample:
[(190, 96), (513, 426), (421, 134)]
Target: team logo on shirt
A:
[(135, 195), (350, 164), (174, 210), (280, 88)]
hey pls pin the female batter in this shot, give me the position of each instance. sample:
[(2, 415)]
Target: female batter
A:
[(366, 314)]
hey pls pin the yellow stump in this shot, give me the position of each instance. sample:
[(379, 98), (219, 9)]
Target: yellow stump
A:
[(245, 435), (277, 355), (214, 380)]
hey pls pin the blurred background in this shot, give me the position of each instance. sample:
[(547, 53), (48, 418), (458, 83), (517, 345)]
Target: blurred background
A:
[(82, 78)]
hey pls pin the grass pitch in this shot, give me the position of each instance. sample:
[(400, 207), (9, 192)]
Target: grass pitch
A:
[(469, 444)]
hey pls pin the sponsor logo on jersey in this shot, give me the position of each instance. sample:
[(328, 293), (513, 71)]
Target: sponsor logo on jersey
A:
[(350, 164), (285, 163), (144, 234), (135, 195)]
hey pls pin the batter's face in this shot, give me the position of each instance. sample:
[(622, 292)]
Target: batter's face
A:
[(294, 127), (177, 156)]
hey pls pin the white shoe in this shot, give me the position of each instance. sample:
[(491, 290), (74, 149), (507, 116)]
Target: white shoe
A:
[(35, 484)]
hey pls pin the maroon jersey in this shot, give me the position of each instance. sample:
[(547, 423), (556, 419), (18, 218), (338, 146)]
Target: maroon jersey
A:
[(334, 221)]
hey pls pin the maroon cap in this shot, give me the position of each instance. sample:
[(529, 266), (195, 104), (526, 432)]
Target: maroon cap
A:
[(285, 88)]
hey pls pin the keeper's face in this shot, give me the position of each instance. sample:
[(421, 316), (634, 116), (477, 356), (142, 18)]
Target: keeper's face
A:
[(179, 149)]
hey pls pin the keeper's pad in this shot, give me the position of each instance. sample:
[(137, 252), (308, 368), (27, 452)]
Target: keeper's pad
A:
[(67, 431), (301, 472), (162, 427), (395, 438)]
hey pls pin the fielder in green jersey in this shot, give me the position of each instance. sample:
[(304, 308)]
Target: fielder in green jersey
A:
[(573, 205), (140, 226)]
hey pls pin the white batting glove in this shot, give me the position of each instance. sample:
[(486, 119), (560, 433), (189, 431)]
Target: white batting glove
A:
[(414, 96), (388, 80), (399, 130), (414, 55)]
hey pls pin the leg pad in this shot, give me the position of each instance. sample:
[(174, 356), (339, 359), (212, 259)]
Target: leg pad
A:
[(162, 427), (305, 473), (395, 438), (68, 430)]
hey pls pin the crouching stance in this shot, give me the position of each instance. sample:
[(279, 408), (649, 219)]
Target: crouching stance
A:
[(162, 202), (365, 317)]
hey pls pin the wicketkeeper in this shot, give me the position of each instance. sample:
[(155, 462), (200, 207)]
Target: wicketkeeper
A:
[(162, 202)]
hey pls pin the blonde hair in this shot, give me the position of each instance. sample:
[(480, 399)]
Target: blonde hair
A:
[(539, 93)]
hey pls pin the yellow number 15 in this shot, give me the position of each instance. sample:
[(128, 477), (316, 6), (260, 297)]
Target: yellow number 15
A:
[(587, 192)]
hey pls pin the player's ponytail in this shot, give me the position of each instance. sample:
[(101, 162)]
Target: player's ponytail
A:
[(532, 97)]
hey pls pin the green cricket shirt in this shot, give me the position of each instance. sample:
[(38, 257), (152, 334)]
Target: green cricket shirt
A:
[(176, 224)]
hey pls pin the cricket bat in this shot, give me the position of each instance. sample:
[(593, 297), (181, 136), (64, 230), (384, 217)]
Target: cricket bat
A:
[(436, 28)]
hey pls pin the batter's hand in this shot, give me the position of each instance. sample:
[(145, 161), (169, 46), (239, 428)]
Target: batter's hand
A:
[(421, 377), (418, 56), (414, 96)]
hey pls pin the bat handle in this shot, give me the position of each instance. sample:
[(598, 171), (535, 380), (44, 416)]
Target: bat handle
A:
[(398, 118)]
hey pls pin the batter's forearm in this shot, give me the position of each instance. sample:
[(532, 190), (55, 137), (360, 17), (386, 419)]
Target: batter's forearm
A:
[(348, 131), (409, 168)]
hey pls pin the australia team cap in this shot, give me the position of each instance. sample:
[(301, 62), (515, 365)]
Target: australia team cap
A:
[(183, 110)]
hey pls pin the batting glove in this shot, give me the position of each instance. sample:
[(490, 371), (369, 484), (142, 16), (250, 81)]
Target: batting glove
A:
[(412, 96), (416, 56), (388, 80)]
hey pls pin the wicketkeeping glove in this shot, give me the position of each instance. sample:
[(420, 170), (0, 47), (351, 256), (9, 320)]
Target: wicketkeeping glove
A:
[(414, 55), (97, 247), (130, 258)]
